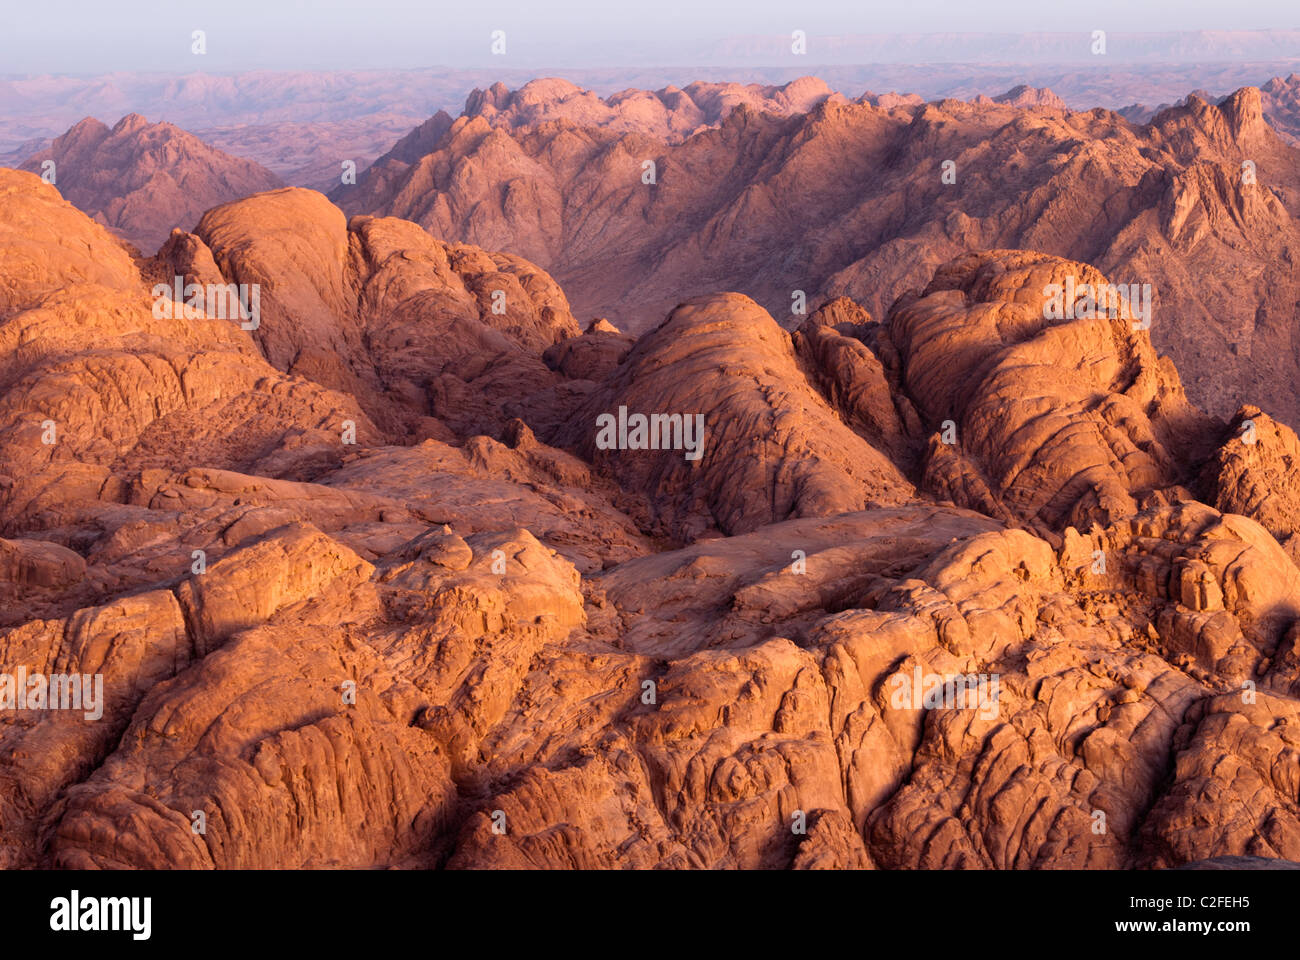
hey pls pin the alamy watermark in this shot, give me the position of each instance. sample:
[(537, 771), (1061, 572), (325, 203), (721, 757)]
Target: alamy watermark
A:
[(215, 301), (658, 431), (75, 913), (1088, 301), (56, 691), (932, 691)]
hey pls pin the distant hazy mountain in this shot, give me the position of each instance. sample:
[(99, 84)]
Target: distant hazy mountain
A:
[(142, 179)]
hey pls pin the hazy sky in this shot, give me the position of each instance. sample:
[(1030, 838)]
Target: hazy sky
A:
[(93, 36)]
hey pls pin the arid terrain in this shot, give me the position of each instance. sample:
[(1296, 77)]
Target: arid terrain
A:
[(725, 476)]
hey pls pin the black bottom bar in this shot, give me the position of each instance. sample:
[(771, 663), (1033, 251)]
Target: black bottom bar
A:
[(338, 909)]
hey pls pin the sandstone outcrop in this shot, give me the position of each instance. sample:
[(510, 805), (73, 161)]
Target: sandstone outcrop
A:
[(1046, 421)]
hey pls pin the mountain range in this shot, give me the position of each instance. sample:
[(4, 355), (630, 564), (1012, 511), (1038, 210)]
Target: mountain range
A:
[(732, 476), (851, 198)]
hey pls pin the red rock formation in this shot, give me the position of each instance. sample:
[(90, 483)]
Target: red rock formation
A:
[(1282, 106), (752, 447), (1051, 421), (482, 636), (668, 114), (1024, 95), (1169, 204), (142, 179)]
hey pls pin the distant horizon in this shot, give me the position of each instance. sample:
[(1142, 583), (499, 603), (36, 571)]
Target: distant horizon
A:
[(543, 72), (38, 107)]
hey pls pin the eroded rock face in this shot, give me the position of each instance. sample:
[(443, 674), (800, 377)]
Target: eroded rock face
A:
[(473, 632), (1253, 473), (757, 443), (1040, 419), (415, 329)]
